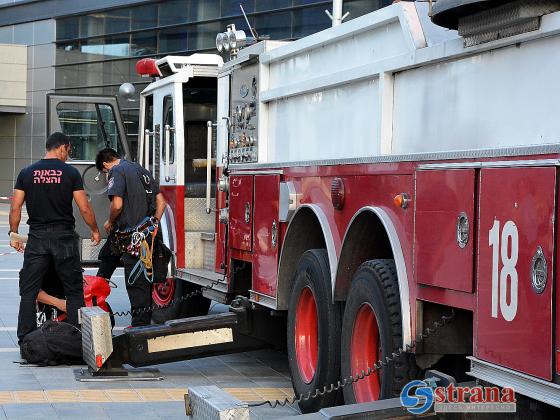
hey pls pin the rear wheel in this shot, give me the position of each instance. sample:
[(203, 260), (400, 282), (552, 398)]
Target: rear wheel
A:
[(313, 331), (371, 330), (167, 295)]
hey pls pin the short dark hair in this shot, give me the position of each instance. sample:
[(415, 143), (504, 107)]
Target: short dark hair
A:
[(105, 156), (56, 140)]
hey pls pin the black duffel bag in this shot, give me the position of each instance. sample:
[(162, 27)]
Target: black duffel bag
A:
[(54, 343)]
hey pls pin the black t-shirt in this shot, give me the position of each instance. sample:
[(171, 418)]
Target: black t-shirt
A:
[(49, 186), (125, 182)]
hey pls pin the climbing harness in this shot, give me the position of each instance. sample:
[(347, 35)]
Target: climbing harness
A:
[(139, 242)]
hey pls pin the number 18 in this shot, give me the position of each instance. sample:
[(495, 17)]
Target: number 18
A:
[(500, 277)]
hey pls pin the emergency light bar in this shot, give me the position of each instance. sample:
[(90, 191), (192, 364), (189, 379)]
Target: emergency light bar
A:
[(147, 68)]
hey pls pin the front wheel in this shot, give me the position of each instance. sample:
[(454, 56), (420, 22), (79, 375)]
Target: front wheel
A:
[(313, 331), (372, 330)]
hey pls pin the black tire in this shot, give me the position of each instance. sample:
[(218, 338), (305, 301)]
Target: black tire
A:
[(194, 306), (313, 276), (375, 291)]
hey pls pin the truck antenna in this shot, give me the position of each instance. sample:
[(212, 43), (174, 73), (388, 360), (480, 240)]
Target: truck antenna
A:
[(253, 32)]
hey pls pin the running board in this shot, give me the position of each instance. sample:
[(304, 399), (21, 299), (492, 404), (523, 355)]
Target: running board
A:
[(176, 340), (538, 389)]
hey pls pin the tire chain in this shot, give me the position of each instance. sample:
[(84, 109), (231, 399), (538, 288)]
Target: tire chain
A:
[(175, 301), (436, 325)]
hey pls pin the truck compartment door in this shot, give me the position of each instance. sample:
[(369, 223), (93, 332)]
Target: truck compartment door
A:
[(515, 266), (444, 220), (92, 123), (266, 226), (241, 212)]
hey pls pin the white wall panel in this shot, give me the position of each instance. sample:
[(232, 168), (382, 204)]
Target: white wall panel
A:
[(500, 98), (335, 123)]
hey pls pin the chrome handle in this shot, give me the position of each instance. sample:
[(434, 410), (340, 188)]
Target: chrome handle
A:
[(208, 165), (167, 160), (146, 143)]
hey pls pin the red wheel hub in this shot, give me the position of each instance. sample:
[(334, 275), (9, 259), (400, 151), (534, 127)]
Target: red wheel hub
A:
[(162, 293), (365, 352), (306, 342)]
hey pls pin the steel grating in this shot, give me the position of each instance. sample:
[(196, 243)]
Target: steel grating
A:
[(97, 338), (213, 403)]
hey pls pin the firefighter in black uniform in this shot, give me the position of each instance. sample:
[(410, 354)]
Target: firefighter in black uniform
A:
[(48, 187), (135, 197)]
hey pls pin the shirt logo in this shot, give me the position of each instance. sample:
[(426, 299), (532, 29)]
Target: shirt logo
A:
[(47, 176), (111, 183)]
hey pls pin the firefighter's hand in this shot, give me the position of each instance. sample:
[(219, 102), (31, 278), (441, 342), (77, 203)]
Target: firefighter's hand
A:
[(17, 245), (95, 237), (108, 226)]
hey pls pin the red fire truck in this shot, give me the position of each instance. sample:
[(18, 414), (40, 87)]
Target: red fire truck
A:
[(367, 180)]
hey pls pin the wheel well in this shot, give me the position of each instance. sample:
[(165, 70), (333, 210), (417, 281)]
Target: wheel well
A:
[(366, 239), (304, 232)]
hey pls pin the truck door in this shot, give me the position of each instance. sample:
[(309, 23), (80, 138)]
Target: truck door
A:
[(160, 153), (92, 123), (515, 266)]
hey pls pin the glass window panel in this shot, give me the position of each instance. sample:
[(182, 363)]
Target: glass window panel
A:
[(302, 2), (173, 12), (92, 25), (68, 28), (204, 10), (68, 52), (203, 36), (310, 20), (168, 121), (231, 7), (361, 7), (277, 26), (90, 128), (143, 43), (115, 46), (117, 21), (272, 4), (172, 40), (144, 17)]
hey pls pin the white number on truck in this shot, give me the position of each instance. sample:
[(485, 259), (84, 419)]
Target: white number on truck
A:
[(500, 284)]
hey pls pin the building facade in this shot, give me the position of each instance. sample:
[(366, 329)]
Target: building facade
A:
[(84, 47)]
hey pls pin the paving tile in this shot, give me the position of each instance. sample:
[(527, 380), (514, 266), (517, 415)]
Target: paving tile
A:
[(29, 411), (78, 411)]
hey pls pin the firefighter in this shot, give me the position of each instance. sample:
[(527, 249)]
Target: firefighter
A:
[(135, 203), (48, 187)]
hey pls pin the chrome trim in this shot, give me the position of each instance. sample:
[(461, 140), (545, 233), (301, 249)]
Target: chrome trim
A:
[(208, 166), (413, 157), (399, 263), (327, 234), (498, 164), (264, 300), (546, 392), (233, 171), (203, 278)]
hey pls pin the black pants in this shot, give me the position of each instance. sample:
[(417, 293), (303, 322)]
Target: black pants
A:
[(139, 293), (43, 247)]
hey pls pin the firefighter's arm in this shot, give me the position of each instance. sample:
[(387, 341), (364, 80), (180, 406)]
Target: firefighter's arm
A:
[(160, 206), (15, 217), (114, 212), (44, 297), (87, 214)]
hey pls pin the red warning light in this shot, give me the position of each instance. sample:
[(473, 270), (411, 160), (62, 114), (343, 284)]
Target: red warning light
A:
[(147, 68)]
